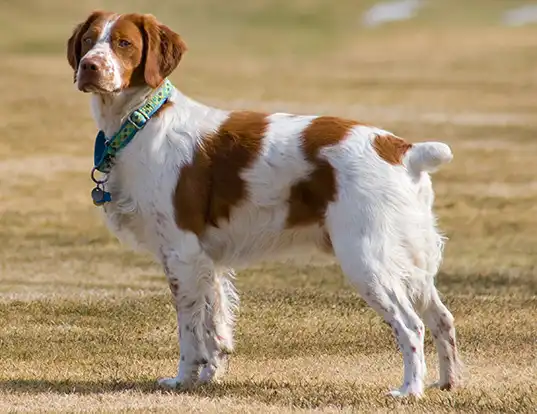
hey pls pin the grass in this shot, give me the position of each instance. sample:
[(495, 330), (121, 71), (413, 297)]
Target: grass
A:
[(87, 325)]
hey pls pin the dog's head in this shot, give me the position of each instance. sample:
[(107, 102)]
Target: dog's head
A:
[(110, 52)]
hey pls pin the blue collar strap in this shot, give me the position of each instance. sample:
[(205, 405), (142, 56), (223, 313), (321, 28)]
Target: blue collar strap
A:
[(107, 149)]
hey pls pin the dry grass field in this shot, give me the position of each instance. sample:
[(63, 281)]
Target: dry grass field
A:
[(87, 325)]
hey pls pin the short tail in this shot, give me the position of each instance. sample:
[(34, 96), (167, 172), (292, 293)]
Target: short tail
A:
[(427, 156)]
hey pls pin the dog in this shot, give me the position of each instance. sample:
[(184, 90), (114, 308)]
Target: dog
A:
[(207, 190)]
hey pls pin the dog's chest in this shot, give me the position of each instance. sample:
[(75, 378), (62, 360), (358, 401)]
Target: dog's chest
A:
[(124, 218), (131, 215), (141, 189)]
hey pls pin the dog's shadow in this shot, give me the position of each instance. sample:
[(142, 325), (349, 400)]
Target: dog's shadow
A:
[(305, 394), (36, 386)]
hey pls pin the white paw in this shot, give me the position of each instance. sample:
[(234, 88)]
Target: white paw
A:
[(169, 383), (172, 383), (411, 390)]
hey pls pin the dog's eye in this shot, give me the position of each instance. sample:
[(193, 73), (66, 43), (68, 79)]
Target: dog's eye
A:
[(88, 40), (124, 43)]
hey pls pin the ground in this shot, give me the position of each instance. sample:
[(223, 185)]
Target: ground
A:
[(88, 325)]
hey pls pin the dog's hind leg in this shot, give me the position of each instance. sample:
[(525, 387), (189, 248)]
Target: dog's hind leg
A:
[(408, 330), (219, 321), (368, 261), (440, 321)]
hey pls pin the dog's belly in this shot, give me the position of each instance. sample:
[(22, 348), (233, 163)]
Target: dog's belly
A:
[(256, 234), (239, 251)]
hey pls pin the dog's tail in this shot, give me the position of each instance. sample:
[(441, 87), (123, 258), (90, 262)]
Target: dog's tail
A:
[(427, 156)]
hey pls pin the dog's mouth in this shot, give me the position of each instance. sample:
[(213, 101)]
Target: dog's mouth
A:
[(94, 83), (92, 87)]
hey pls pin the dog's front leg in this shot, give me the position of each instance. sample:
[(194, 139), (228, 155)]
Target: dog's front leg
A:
[(191, 281)]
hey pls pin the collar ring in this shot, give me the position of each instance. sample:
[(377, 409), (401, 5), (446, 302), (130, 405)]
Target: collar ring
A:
[(95, 180)]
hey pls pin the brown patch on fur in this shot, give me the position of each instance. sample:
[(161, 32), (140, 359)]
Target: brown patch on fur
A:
[(129, 27), (163, 50), (211, 185), (390, 148), (155, 49), (309, 197)]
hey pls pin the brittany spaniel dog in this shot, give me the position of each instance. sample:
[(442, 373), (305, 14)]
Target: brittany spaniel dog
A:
[(207, 190)]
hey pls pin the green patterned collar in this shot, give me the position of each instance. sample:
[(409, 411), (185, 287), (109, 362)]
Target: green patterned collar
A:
[(107, 149)]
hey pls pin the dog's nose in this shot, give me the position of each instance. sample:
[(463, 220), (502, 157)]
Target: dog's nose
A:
[(91, 65)]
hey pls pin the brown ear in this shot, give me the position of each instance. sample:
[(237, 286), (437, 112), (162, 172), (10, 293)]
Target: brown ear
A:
[(74, 45), (163, 51)]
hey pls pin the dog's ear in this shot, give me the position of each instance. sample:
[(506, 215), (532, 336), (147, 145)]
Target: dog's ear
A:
[(163, 49), (74, 44)]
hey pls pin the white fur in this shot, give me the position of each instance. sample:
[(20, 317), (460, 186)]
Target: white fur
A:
[(381, 226), (427, 156)]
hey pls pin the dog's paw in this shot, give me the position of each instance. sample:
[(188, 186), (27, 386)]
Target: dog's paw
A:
[(169, 383), (448, 386), (173, 383), (413, 390)]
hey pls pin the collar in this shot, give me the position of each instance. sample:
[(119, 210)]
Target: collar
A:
[(106, 149)]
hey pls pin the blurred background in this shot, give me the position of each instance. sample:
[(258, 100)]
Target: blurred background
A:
[(82, 316)]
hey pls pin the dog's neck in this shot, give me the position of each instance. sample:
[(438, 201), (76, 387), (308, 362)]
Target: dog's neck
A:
[(111, 110)]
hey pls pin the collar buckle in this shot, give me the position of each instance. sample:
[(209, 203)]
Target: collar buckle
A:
[(133, 122)]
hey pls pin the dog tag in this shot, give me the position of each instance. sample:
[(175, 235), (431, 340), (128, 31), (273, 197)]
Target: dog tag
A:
[(97, 195)]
